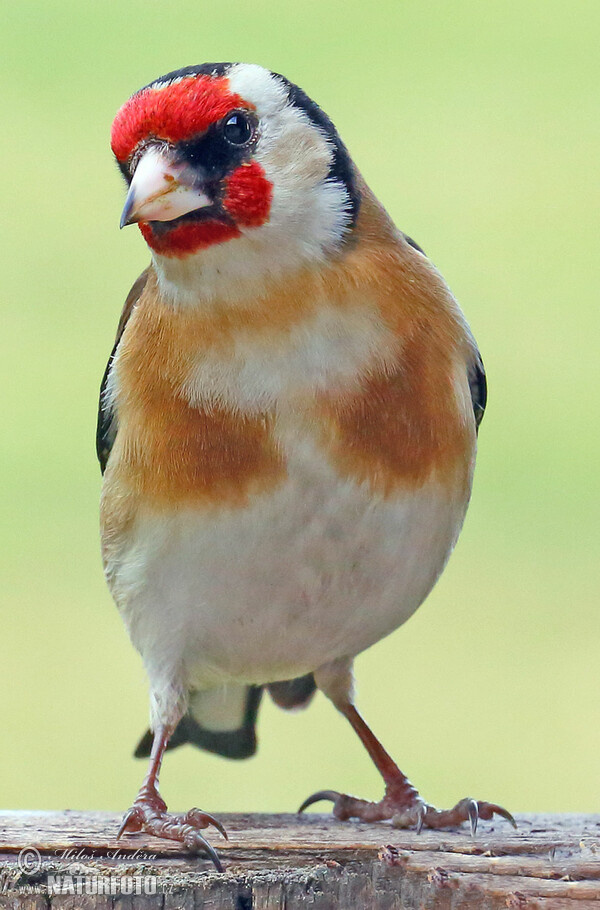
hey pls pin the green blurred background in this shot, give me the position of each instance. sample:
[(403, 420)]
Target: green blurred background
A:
[(477, 125)]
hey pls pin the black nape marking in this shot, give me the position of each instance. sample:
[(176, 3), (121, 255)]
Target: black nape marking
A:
[(342, 169)]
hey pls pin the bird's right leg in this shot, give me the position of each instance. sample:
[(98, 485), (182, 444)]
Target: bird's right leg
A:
[(401, 802), (149, 811)]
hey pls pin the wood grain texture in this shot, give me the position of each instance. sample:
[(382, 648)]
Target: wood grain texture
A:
[(282, 861)]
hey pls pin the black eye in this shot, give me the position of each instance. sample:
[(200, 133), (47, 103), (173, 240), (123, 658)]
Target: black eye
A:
[(238, 128)]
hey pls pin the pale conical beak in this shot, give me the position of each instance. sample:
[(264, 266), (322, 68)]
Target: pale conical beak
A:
[(159, 190)]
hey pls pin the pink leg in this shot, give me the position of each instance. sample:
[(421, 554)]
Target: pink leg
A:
[(401, 801), (149, 811)]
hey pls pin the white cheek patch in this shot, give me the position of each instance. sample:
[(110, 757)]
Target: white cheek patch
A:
[(309, 211)]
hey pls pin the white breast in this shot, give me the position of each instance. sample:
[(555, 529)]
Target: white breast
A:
[(317, 570), (329, 351)]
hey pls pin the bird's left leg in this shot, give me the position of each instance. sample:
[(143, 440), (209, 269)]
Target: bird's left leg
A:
[(401, 802), (149, 811)]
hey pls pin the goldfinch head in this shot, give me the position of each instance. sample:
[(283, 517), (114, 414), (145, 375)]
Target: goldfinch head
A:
[(232, 164)]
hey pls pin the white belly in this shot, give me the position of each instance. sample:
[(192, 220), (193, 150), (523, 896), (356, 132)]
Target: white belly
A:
[(316, 570)]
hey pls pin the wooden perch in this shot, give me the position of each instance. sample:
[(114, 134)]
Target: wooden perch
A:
[(54, 860)]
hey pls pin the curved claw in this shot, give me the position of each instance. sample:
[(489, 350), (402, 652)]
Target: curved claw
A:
[(202, 820), (473, 810), (488, 810), (183, 828), (408, 813), (194, 840), (331, 795), (133, 815)]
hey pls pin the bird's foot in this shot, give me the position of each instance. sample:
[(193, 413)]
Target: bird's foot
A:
[(149, 814), (406, 809)]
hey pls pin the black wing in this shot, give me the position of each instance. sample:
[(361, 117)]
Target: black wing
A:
[(107, 426), (476, 370), (414, 244), (240, 743), (478, 387)]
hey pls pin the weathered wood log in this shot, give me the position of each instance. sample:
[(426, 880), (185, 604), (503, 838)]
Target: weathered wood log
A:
[(72, 860)]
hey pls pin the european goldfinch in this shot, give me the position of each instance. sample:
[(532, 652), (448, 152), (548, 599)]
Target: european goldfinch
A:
[(287, 427)]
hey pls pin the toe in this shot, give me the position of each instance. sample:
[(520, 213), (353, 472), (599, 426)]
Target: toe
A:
[(467, 809), (133, 821), (194, 841), (346, 806), (409, 813), (331, 795), (411, 817), (488, 810), (200, 819), (143, 816)]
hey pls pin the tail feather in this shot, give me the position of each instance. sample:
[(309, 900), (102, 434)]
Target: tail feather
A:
[(238, 738), (224, 720), (293, 693)]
